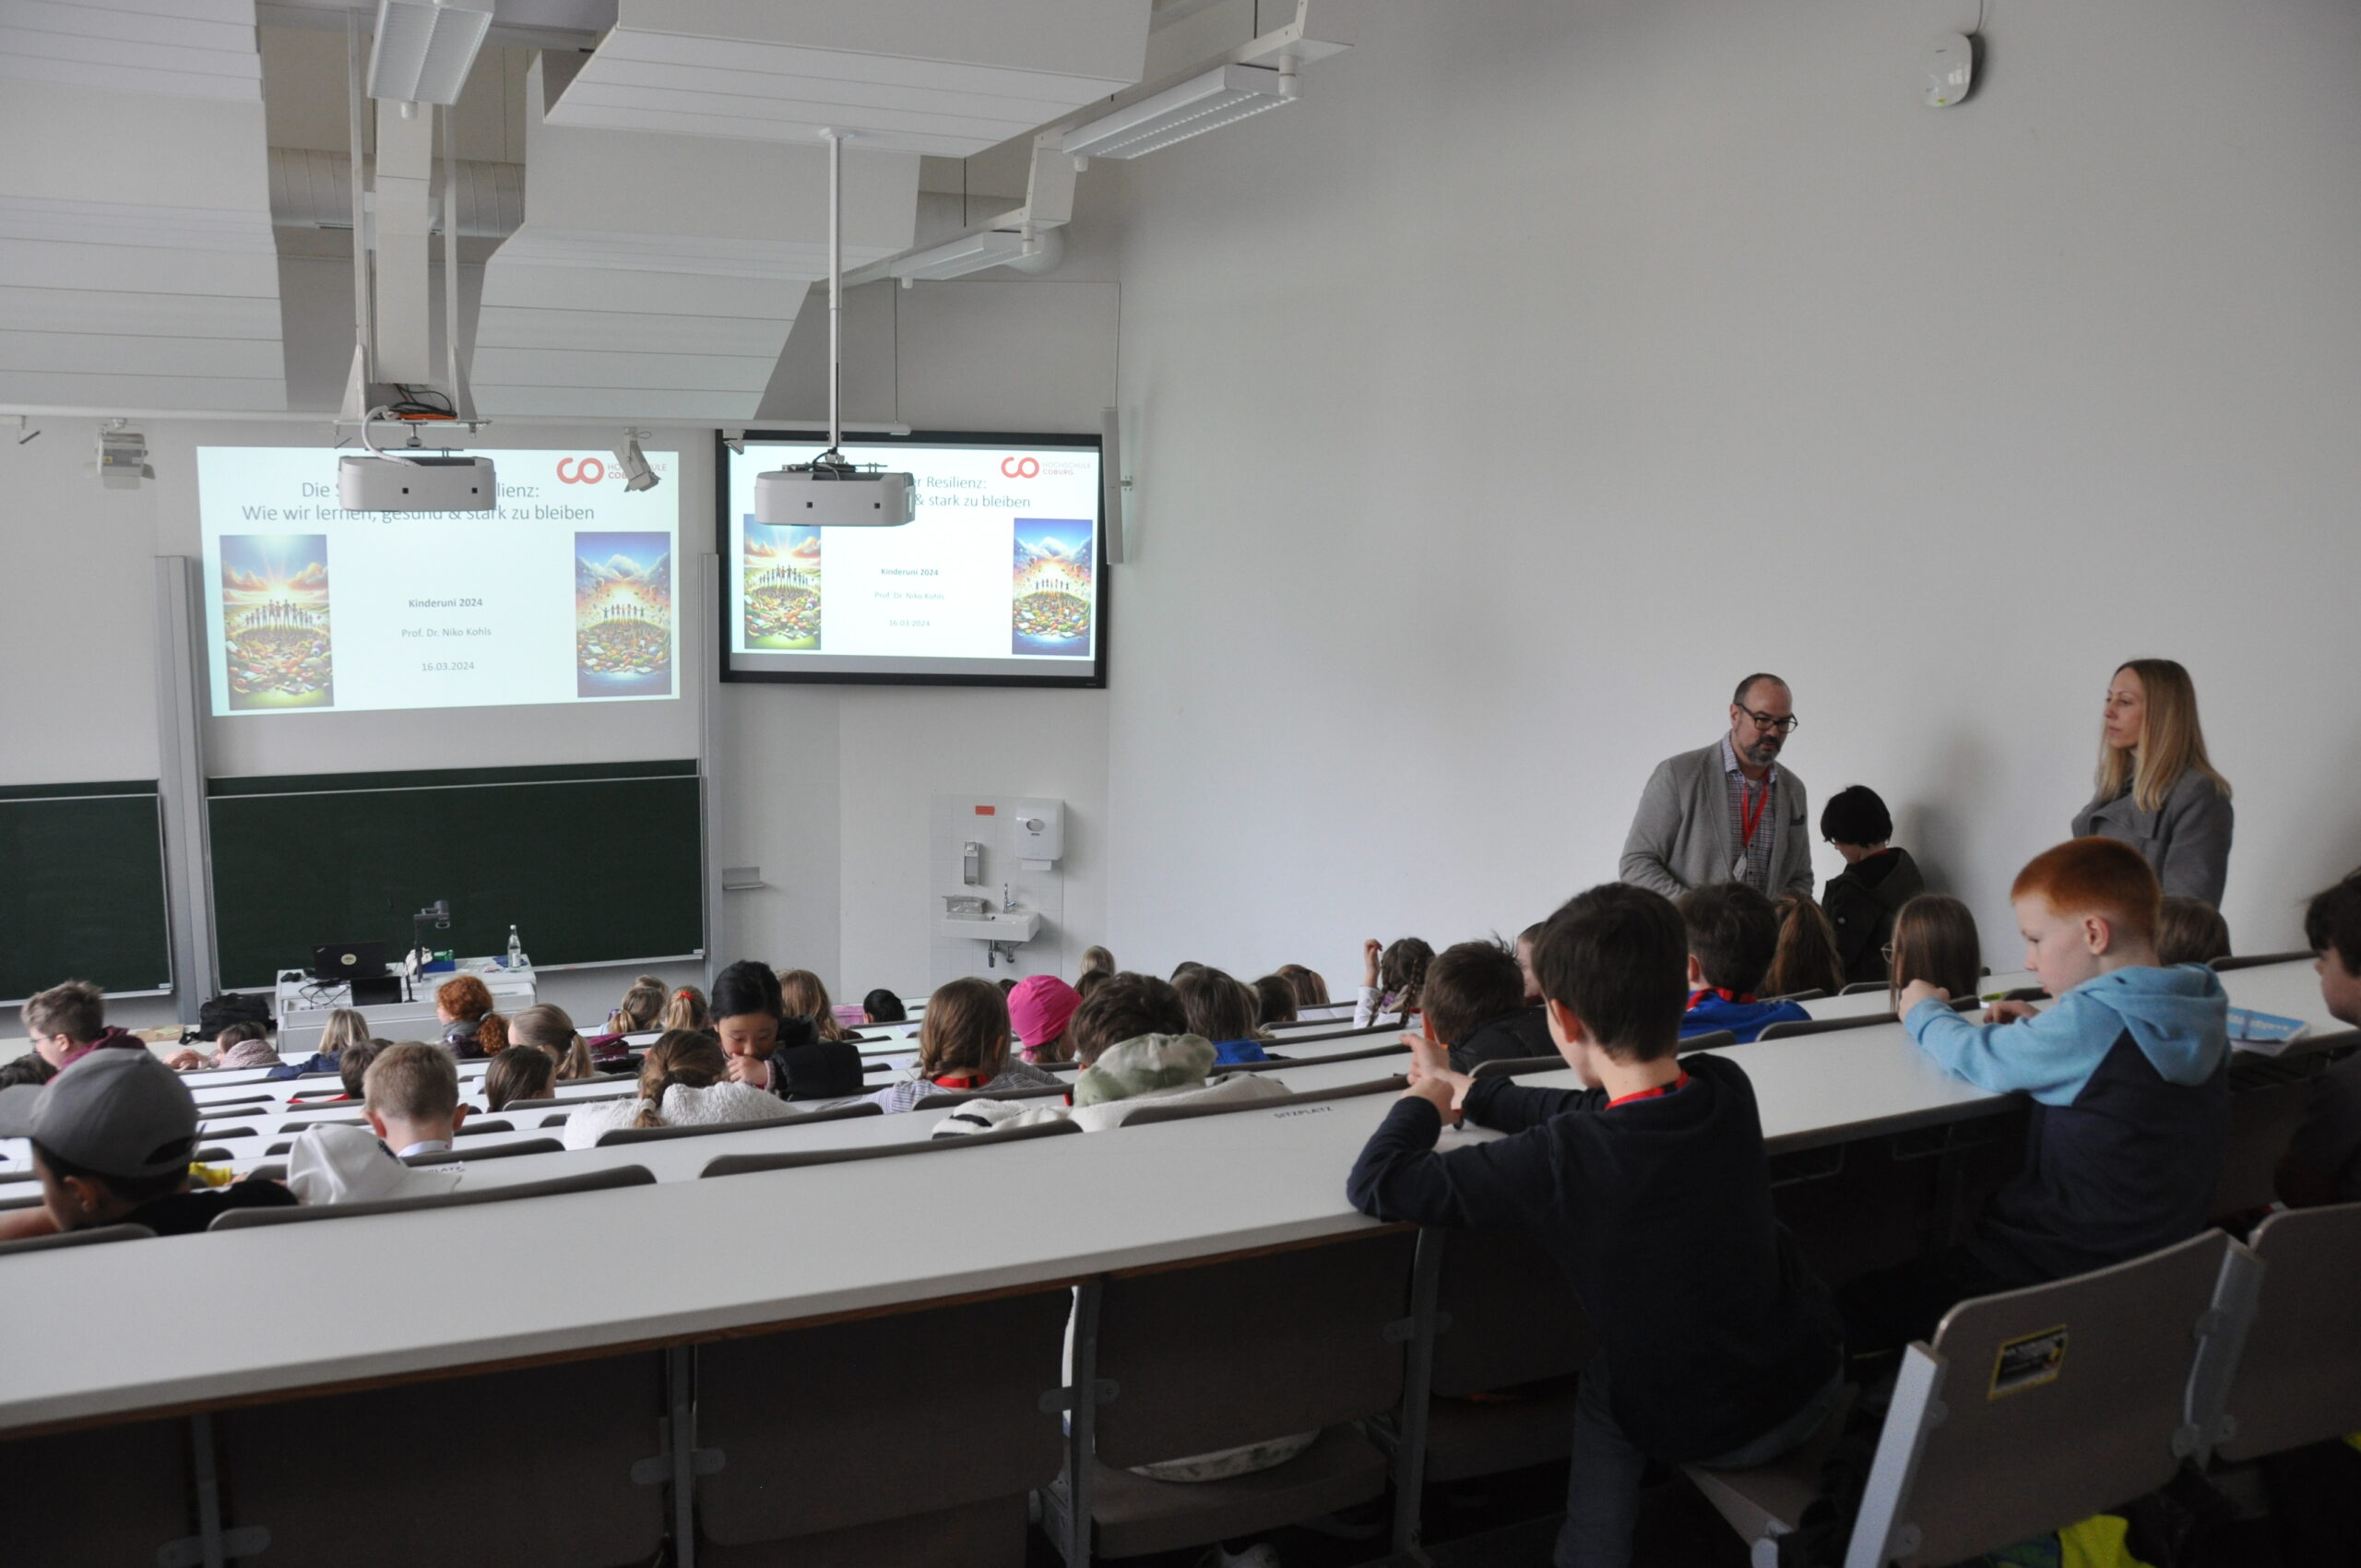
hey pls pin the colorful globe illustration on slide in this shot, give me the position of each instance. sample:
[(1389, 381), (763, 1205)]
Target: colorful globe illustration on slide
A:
[(1052, 617)]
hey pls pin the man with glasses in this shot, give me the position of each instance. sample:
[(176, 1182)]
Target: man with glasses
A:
[(1727, 813)]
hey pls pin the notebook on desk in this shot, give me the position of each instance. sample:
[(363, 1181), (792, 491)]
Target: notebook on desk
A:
[(2269, 1033)]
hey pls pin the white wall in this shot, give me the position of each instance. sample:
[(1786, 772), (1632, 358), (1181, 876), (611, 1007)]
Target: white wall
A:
[(1551, 365)]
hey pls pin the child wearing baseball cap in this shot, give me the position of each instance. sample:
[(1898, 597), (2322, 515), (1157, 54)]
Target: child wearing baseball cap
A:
[(112, 1136)]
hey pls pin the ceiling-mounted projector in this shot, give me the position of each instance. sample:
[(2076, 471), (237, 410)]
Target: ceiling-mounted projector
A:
[(834, 495), (417, 484)]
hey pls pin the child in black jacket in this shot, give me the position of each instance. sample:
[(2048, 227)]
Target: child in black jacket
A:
[(1716, 1345)]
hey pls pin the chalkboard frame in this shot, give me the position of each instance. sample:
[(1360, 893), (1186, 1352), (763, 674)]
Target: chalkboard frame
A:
[(146, 789)]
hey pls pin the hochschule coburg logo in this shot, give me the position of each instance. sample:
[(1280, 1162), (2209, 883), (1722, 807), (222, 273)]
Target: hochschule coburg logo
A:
[(1020, 467), (587, 471)]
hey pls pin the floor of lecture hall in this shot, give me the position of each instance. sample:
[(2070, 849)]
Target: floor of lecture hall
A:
[(1510, 1521)]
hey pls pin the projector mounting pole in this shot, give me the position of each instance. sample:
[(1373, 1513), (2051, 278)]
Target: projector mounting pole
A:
[(835, 290)]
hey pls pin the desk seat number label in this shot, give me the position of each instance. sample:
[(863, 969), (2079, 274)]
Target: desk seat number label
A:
[(2028, 1362)]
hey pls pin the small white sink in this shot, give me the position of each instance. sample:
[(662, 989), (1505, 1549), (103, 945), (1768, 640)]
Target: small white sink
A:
[(997, 925)]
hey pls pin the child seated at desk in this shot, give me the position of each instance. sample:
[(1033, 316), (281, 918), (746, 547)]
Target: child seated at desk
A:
[(1132, 1038), (352, 1065), (683, 1081), (2128, 1070), (1935, 941), (521, 1072), (1391, 976), (111, 1141), (469, 1026), (67, 1022), (1805, 958), (1716, 1345), (410, 1097), (1733, 933), (1040, 1010), (1475, 1008), (551, 1029), (770, 1049), (686, 1009), (1220, 1007), (963, 1047), (2323, 1161), (2190, 931)]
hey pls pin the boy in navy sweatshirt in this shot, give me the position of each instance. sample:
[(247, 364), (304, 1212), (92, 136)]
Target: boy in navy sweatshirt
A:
[(1716, 1345), (1733, 933), (2128, 1075)]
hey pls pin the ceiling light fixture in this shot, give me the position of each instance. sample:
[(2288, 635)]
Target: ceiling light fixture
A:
[(1221, 96), (957, 258), (424, 50)]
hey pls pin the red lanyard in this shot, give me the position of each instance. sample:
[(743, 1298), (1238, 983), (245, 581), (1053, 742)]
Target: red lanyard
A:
[(1661, 1090), (1741, 997), (1750, 818)]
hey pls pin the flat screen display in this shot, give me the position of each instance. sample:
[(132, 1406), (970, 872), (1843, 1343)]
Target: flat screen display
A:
[(998, 580), (564, 594)]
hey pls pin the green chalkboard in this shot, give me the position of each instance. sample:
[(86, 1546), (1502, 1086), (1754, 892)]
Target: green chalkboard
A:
[(591, 864), (82, 888)]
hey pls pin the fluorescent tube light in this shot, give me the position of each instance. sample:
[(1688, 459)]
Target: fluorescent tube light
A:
[(1220, 97), (424, 50), (955, 259)]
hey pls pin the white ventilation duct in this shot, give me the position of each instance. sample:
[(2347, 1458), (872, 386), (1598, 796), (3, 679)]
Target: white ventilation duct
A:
[(945, 78), (658, 277), (136, 264), (309, 189)]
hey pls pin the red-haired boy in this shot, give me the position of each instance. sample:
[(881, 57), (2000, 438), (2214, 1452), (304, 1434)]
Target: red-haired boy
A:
[(2128, 1070)]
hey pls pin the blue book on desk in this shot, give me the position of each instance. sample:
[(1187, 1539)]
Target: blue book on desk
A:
[(2266, 1032)]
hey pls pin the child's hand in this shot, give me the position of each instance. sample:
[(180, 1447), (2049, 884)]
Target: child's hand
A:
[(183, 1060), (752, 1070), (1436, 1091), (2008, 1012), (1369, 950), (1920, 990), (1428, 1060)]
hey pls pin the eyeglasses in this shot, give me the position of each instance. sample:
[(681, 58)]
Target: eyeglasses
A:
[(1767, 721), (1886, 952)]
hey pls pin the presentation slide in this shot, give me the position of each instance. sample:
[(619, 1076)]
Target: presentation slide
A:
[(564, 594), (997, 580)]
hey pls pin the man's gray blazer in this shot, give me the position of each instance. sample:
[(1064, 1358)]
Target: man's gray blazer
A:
[(1681, 838)]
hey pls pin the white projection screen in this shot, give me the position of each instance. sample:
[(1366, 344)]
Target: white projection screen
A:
[(997, 582), (565, 594)]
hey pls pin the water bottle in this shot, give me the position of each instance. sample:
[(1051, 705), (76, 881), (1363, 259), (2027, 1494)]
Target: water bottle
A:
[(515, 950)]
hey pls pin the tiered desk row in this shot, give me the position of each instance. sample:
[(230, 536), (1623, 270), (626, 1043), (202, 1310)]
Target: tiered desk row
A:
[(552, 1314)]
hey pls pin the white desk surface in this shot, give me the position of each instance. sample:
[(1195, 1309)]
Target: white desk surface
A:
[(385, 1295)]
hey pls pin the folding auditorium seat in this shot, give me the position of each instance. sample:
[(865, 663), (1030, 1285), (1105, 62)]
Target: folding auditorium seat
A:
[(532, 1467), (908, 1437), (1197, 1357), (2028, 1411), (2299, 1378)]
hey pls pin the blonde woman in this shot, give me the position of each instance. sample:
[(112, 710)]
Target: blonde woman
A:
[(2157, 789)]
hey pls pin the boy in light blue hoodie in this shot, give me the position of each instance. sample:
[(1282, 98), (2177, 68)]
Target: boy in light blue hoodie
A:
[(2127, 1072)]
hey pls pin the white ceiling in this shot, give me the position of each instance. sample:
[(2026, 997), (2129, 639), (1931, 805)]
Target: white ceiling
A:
[(943, 77), (186, 48), (647, 283), (136, 262)]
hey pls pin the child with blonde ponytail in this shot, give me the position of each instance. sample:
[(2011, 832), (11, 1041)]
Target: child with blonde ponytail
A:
[(683, 1081)]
